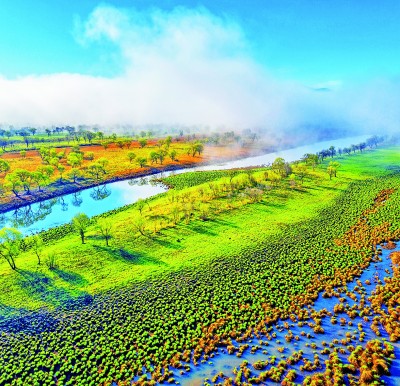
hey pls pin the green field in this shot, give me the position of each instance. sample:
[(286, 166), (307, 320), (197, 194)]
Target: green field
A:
[(259, 252), (93, 267)]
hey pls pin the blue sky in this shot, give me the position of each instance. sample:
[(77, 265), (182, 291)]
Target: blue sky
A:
[(212, 63), (313, 41)]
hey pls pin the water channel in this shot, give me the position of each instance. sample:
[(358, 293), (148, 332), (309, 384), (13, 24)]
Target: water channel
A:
[(94, 201)]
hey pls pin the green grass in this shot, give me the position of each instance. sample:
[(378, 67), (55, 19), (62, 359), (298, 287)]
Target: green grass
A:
[(190, 179), (93, 267), (231, 277)]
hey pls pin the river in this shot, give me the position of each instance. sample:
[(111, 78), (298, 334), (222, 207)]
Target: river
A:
[(94, 201)]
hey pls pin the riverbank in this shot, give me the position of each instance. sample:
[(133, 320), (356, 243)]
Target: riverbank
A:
[(280, 206), (212, 155), (60, 188), (170, 300)]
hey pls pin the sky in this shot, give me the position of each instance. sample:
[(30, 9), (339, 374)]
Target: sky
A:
[(276, 64)]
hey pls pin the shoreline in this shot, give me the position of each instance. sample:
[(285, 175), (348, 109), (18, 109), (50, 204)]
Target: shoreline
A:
[(70, 187)]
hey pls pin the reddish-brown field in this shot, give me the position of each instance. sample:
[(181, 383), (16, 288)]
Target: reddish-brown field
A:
[(119, 165)]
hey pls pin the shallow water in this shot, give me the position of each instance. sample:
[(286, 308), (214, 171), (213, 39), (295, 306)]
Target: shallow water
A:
[(94, 201), (225, 363)]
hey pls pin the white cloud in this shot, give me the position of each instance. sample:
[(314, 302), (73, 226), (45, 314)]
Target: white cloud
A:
[(185, 67), (105, 22)]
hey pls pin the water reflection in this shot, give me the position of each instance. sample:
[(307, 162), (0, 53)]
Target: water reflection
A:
[(29, 215), (100, 192), (3, 220), (100, 199), (141, 181), (76, 199), (92, 201), (62, 203)]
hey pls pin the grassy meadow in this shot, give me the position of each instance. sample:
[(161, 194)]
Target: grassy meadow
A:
[(235, 225), (211, 265)]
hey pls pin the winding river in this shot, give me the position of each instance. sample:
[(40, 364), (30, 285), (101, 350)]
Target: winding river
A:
[(93, 201)]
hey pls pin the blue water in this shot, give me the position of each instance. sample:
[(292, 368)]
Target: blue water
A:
[(222, 361), (61, 210), (93, 201)]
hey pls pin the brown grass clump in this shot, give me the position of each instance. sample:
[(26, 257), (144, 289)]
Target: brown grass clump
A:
[(389, 245), (395, 257)]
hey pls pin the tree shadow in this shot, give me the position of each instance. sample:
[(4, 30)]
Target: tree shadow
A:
[(276, 205), (330, 188), (201, 229), (96, 237), (165, 243), (264, 202), (315, 187), (7, 312), (34, 281), (226, 223), (70, 277), (118, 253), (127, 255), (283, 195), (393, 168), (15, 320), (301, 190), (41, 287), (138, 258)]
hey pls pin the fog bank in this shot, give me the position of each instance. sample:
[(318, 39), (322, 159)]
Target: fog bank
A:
[(190, 67)]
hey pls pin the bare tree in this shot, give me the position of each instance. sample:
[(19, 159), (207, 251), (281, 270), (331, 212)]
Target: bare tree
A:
[(105, 227), (37, 246)]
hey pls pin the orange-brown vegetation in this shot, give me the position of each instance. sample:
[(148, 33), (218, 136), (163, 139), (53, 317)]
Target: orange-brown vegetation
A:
[(119, 166)]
